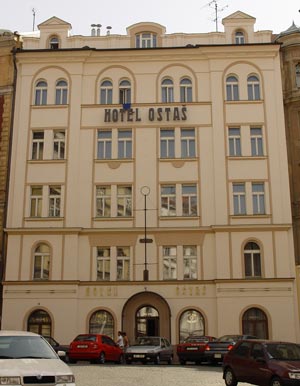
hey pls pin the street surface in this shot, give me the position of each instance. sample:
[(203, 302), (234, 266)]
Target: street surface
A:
[(147, 375)]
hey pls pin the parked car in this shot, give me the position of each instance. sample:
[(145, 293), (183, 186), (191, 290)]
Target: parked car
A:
[(215, 351), (150, 349), (96, 348), (262, 362), (27, 358), (192, 349), (58, 347)]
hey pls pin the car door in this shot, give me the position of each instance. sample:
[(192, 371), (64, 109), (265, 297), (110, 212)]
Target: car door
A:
[(107, 348), (240, 361), (258, 369), (167, 349), (114, 349)]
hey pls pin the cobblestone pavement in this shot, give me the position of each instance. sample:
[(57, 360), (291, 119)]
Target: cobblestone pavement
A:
[(147, 375)]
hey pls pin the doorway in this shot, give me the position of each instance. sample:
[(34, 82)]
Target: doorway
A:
[(147, 322)]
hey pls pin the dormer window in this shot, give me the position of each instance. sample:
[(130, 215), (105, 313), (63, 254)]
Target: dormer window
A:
[(239, 37), (145, 40), (54, 43)]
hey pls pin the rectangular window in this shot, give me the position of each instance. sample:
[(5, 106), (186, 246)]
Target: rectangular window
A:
[(239, 199), (124, 144), (54, 201), (167, 143), (169, 263), (123, 263), (36, 200), (104, 144), (252, 265), (124, 201), (190, 262), (103, 201), (256, 142), (58, 145), (168, 200), (258, 198), (37, 145), (234, 138), (41, 266), (189, 200), (188, 147), (103, 263)]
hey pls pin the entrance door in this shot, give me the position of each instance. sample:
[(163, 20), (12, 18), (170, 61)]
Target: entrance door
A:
[(147, 321)]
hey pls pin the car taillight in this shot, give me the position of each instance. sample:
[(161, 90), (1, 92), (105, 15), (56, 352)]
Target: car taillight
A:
[(207, 348), (230, 347)]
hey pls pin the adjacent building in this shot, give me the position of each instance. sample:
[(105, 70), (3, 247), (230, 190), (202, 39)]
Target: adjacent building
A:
[(149, 186)]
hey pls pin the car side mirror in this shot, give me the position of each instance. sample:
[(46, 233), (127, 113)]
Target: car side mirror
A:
[(61, 354)]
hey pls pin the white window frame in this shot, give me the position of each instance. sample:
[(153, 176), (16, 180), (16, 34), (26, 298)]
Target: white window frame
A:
[(45, 259), (103, 264), (239, 37), (169, 262), (124, 201), (232, 88), (54, 201), (125, 92), (106, 92), (252, 256), (61, 92), (103, 201), (239, 198), (186, 90), (37, 149), (167, 91), (125, 144), (167, 143), (168, 200), (190, 262), (253, 87), (36, 201), (188, 142), (145, 40), (234, 141), (59, 142), (256, 138), (189, 196), (123, 263), (41, 91), (104, 144), (258, 198)]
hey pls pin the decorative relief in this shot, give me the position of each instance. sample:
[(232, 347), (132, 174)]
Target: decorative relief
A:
[(178, 164), (191, 291), (114, 164), (98, 292)]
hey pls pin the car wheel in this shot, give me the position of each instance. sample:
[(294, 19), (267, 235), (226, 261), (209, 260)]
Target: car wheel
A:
[(72, 360), (102, 358), (128, 362), (276, 382), (229, 378), (121, 359), (157, 360), (182, 361), (170, 360)]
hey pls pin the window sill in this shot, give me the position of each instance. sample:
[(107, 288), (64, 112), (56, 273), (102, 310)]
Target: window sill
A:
[(44, 218)]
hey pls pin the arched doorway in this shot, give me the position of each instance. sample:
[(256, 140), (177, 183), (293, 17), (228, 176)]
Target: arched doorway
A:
[(255, 322), (146, 313), (39, 321)]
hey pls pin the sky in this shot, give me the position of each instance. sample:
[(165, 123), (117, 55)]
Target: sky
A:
[(187, 16)]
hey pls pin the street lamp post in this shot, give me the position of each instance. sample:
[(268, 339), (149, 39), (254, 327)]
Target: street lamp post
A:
[(145, 190)]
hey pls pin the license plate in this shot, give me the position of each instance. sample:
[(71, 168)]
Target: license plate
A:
[(138, 356), (192, 348), (218, 356), (82, 346)]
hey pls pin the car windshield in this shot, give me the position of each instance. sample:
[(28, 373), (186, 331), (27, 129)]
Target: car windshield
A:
[(92, 338), (148, 341), (283, 351), (229, 338), (16, 347)]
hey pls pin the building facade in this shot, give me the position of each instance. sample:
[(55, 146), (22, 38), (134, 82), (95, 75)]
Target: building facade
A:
[(149, 186)]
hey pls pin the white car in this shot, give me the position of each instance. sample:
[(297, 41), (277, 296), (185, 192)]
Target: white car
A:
[(150, 349), (27, 358)]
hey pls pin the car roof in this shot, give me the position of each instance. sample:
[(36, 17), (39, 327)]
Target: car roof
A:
[(17, 333)]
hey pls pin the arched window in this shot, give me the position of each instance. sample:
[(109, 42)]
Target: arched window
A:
[(102, 322), (167, 91), (239, 37), (255, 322), (298, 75), (54, 43), (41, 93), (252, 260), (253, 88), (147, 321), (145, 40), (232, 88), (41, 263), (39, 322), (61, 92), (186, 91), (190, 322), (124, 92), (106, 92)]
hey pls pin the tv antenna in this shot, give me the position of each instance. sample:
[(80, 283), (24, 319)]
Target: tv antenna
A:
[(214, 3), (33, 16)]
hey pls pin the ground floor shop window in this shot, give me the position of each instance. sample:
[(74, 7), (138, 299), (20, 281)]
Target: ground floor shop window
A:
[(39, 322), (255, 322), (190, 322), (102, 322)]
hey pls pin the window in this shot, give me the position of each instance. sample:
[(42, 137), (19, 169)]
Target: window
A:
[(54, 43), (188, 145), (239, 38), (167, 143), (168, 200), (103, 263), (186, 91), (232, 88), (102, 322), (297, 70), (37, 145), (190, 262), (61, 92), (256, 141), (104, 144), (191, 321), (40, 323), (123, 263), (124, 92), (54, 201), (103, 201), (253, 88), (167, 91), (36, 199), (41, 262), (169, 263), (258, 198), (106, 92), (124, 201), (255, 322), (252, 260), (145, 40), (124, 144), (41, 93), (234, 138), (59, 144), (239, 199), (189, 200)]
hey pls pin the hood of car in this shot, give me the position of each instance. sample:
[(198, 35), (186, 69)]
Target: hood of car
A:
[(142, 349), (33, 367)]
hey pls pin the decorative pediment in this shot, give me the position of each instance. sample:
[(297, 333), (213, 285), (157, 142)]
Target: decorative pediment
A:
[(239, 15), (54, 21)]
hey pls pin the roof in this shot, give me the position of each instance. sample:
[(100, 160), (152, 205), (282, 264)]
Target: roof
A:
[(16, 333)]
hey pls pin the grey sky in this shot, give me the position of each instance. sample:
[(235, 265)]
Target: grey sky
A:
[(176, 15)]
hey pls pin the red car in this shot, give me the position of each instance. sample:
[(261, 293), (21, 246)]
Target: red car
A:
[(263, 363), (96, 348), (193, 348)]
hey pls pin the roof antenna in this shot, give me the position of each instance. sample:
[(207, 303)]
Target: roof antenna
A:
[(33, 15), (215, 2)]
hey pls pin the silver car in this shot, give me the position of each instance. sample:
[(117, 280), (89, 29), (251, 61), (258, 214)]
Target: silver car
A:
[(27, 358), (150, 349)]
